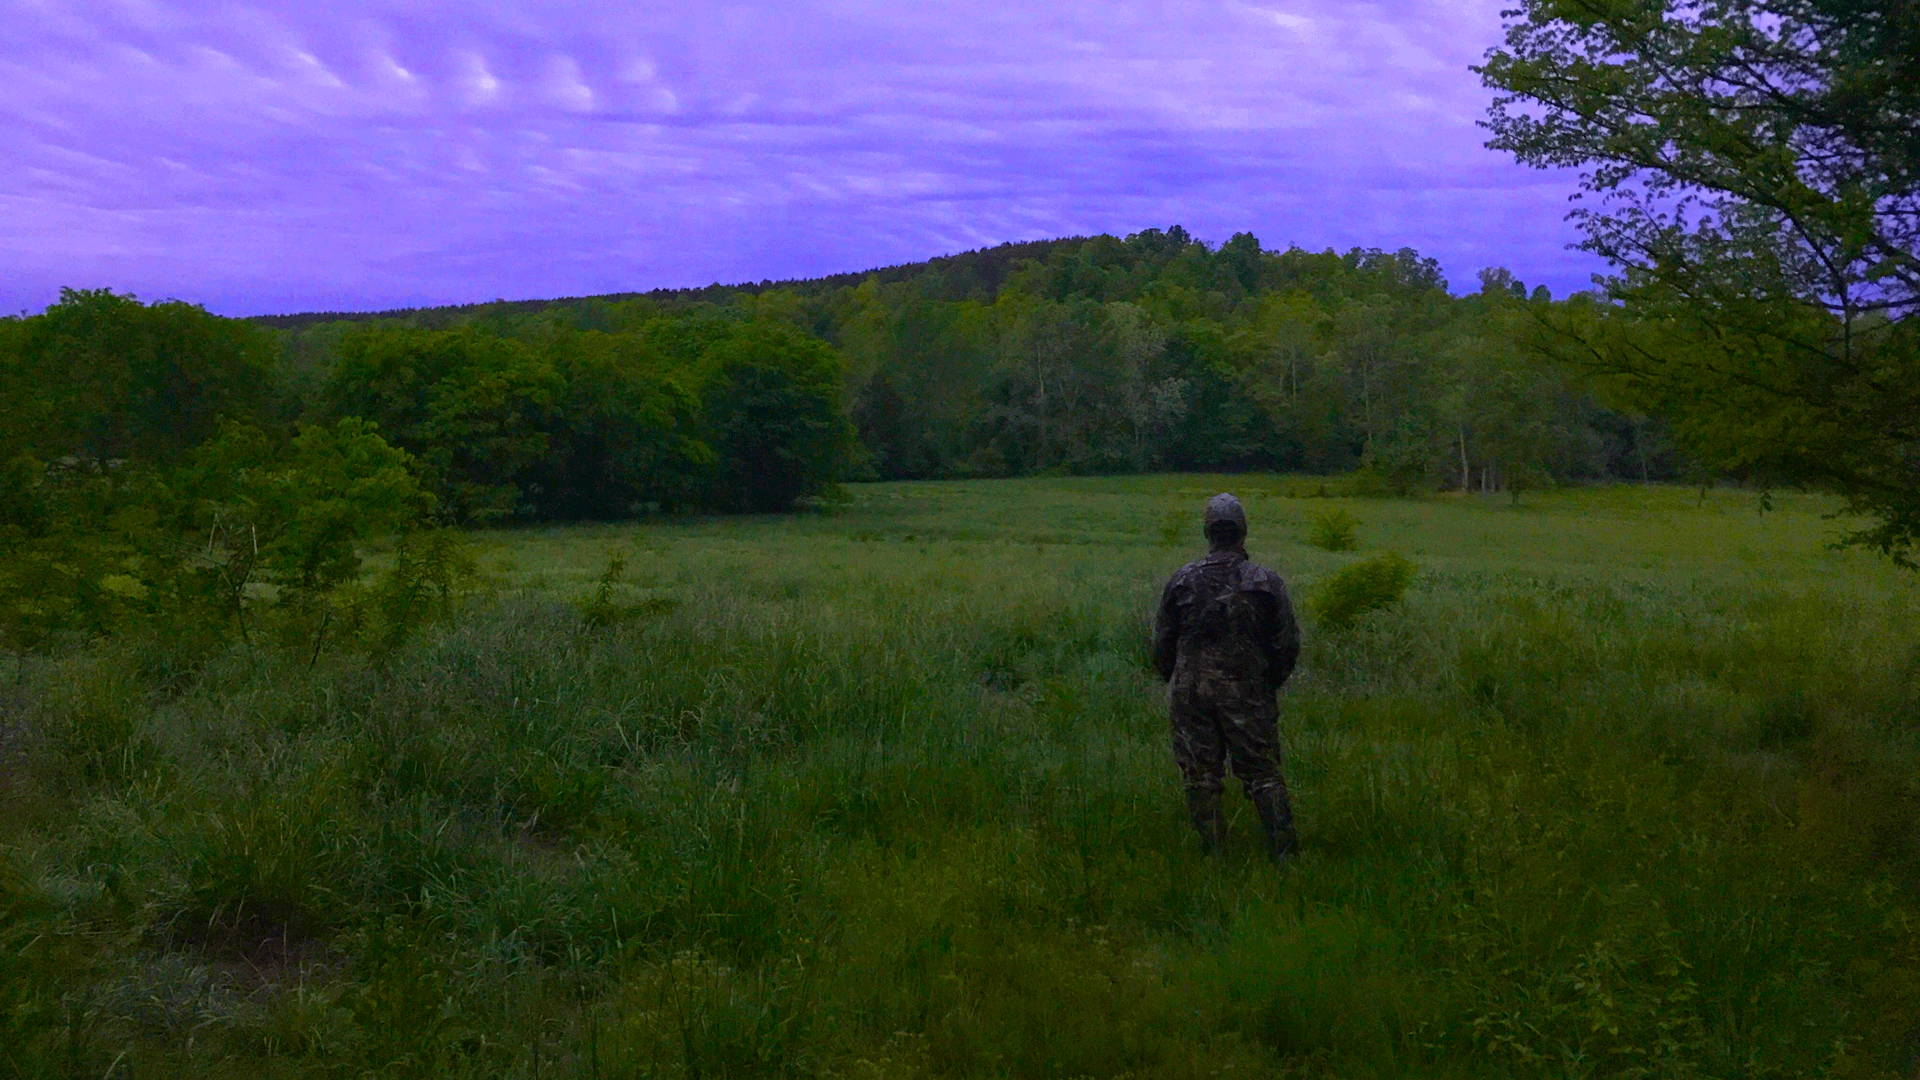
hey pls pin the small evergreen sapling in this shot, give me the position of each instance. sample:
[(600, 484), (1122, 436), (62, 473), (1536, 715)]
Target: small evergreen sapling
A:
[(1333, 530), (1368, 585)]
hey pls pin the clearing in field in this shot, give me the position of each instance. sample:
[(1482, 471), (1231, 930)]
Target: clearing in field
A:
[(1626, 786)]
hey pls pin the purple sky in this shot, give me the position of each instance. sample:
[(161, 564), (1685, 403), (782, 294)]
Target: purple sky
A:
[(293, 156)]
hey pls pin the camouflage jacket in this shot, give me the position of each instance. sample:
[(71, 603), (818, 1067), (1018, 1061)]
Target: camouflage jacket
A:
[(1226, 617)]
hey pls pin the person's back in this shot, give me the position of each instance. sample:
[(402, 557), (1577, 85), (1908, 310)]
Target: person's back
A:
[(1227, 610), (1225, 640)]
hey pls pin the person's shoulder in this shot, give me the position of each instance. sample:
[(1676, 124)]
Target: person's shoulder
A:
[(1257, 578), (1186, 572)]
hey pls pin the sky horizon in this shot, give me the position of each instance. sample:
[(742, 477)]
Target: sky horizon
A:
[(270, 158)]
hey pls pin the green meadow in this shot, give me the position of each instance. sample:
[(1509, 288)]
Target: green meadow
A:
[(1628, 785)]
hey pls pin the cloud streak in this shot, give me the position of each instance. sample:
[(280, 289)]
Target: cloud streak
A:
[(281, 157)]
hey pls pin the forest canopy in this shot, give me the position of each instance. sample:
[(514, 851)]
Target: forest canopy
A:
[(1086, 355)]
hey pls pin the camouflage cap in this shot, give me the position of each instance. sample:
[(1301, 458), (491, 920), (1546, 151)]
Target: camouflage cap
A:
[(1224, 507)]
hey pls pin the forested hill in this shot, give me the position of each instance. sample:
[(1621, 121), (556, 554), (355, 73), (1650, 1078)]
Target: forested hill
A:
[(1103, 354), (1082, 355), (970, 275)]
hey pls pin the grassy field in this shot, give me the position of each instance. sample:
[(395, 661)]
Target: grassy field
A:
[(1629, 785)]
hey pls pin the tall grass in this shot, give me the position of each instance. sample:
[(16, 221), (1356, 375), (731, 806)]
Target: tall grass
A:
[(1623, 787)]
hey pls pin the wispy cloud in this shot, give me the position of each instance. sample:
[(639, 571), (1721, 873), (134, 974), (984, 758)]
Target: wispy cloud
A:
[(275, 157)]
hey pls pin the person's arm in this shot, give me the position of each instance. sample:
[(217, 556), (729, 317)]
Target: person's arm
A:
[(1283, 643), (1166, 634)]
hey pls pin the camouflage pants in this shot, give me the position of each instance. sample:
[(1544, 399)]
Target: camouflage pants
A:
[(1216, 723)]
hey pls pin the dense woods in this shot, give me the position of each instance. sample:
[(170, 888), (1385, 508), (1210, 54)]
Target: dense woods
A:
[(1095, 355)]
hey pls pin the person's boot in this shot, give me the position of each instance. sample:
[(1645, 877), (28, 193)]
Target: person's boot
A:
[(1204, 808), (1276, 816)]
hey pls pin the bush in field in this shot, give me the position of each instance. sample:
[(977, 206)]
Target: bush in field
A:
[(249, 522), (606, 608), (290, 515), (1333, 530), (1368, 585), (431, 572)]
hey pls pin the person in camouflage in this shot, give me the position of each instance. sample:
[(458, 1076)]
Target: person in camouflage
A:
[(1225, 639)]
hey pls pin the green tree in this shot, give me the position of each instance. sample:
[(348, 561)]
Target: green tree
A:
[(476, 410), (776, 417), (1040, 383), (626, 432), (1753, 173), (1240, 256), (286, 515), (1403, 456), (1522, 422), (101, 377), (1149, 406)]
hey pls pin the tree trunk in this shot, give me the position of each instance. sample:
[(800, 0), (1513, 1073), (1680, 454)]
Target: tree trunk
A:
[(1366, 404), (1040, 411)]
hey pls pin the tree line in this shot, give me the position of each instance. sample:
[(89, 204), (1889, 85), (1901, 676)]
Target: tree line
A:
[(164, 466), (1153, 352), (158, 457)]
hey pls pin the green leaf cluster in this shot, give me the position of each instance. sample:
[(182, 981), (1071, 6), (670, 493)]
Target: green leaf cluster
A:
[(1752, 171)]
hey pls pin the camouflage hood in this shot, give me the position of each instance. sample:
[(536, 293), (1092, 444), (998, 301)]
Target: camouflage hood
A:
[(1224, 507)]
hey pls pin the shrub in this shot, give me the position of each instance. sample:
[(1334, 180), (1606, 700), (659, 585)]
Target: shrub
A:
[(1365, 586), (195, 552), (430, 574), (605, 608), (1333, 530)]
